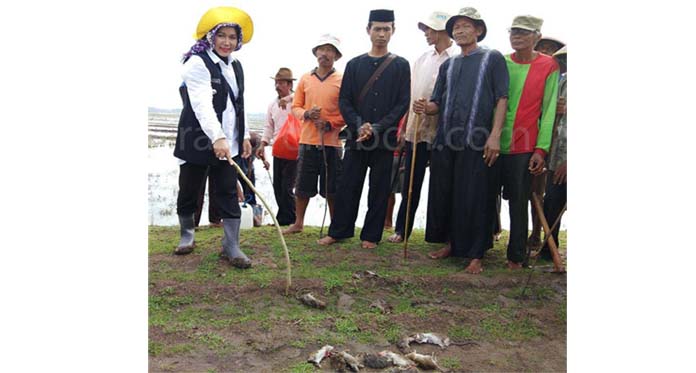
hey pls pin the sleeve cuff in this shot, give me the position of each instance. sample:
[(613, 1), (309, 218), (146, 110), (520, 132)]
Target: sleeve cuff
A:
[(541, 152)]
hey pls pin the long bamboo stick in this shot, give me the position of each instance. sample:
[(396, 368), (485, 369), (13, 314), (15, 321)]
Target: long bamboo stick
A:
[(558, 265), (288, 282), (414, 146)]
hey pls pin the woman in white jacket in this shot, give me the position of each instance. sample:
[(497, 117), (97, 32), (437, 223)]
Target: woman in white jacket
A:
[(211, 126)]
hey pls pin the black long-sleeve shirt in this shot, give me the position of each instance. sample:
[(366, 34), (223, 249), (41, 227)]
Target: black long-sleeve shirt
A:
[(384, 104)]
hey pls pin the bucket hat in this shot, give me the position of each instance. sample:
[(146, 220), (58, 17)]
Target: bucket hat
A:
[(331, 40), (470, 13)]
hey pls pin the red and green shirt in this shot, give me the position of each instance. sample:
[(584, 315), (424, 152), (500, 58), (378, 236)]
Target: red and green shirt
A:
[(531, 105)]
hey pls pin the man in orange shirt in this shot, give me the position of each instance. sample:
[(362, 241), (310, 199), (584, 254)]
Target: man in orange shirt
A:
[(316, 102)]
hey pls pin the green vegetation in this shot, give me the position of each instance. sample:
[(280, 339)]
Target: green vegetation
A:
[(302, 368), (450, 363)]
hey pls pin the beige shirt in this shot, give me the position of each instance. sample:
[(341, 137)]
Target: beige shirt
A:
[(423, 77), (275, 118)]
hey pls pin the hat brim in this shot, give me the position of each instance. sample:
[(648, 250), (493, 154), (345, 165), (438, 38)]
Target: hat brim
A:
[(450, 25), (561, 52), (423, 24), (338, 51), (225, 14), (523, 27), (548, 38)]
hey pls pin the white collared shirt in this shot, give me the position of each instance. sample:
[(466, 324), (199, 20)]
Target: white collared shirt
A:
[(423, 77), (197, 79)]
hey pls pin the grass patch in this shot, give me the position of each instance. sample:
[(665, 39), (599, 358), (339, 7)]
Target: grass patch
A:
[(561, 312), (178, 349), (391, 331), (450, 363), (516, 330), (304, 367), (298, 343), (154, 348), (460, 333), (213, 341), (346, 327)]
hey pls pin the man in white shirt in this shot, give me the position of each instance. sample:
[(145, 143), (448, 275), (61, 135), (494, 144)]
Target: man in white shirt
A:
[(284, 170), (423, 77)]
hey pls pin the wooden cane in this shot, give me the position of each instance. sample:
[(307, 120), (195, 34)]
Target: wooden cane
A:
[(558, 220), (269, 176), (326, 182), (558, 265), (414, 147), (288, 282)]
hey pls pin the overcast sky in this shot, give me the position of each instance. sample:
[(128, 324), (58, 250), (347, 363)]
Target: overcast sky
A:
[(284, 34)]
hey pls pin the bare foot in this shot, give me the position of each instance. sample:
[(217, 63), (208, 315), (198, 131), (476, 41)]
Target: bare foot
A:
[(475, 267), (326, 241), (513, 265), (368, 245), (395, 238), (442, 253), (293, 229)]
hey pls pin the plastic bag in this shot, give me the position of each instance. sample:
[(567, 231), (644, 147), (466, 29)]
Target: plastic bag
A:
[(287, 143)]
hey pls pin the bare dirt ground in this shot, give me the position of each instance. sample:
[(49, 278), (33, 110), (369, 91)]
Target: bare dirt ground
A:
[(205, 316)]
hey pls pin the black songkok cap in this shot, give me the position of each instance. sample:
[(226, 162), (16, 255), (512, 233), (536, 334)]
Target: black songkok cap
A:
[(381, 15)]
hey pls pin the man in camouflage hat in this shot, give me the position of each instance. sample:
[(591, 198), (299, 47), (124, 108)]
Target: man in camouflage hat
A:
[(526, 136), (470, 96)]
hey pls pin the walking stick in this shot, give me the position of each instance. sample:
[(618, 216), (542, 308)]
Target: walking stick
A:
[(288, 282), (269, 176), (555, 224), (414, 147), (558, 265), (326, 182), (558, 220)]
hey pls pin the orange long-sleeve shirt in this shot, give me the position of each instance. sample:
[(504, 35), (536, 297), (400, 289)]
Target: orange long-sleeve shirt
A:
[(312, 91)]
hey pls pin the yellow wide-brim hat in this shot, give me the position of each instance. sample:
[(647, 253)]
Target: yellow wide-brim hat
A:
[(225, 14)]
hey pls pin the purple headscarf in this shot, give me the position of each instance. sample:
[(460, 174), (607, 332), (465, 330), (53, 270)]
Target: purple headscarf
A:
[(206, 42)]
